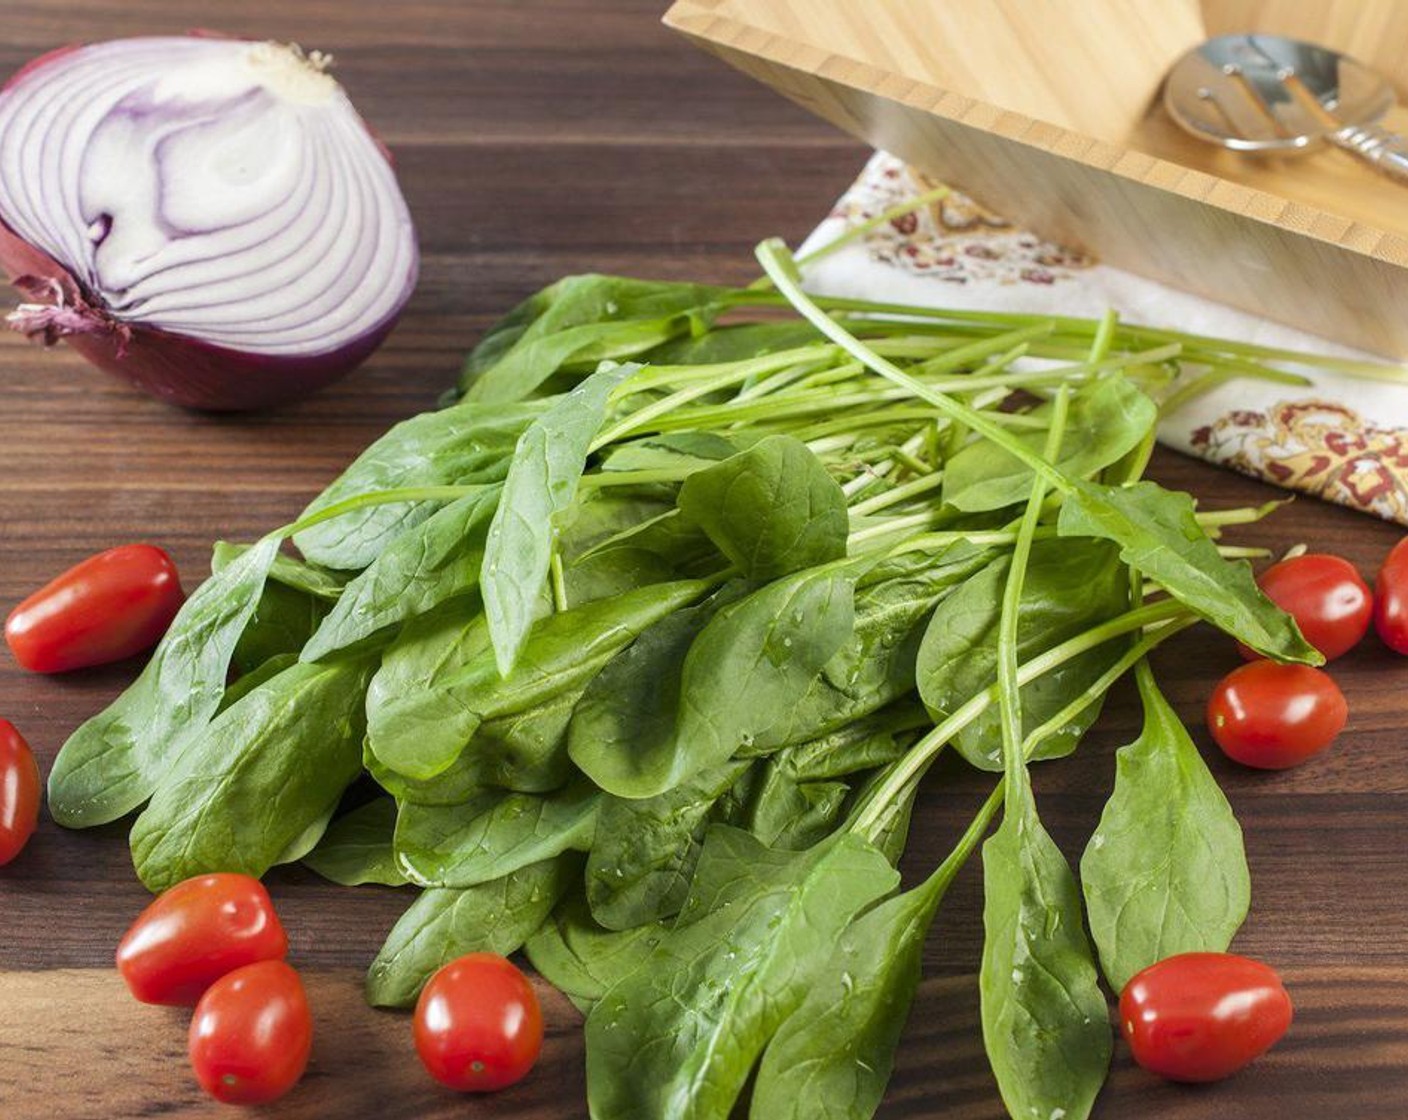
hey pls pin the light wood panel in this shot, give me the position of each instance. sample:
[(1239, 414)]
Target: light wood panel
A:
[(1092, 66)]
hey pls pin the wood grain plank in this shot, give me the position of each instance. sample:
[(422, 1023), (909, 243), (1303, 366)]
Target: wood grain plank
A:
[(538, 139), (66, 1019)]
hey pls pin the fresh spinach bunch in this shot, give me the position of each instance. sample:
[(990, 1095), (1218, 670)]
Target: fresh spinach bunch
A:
[(649, 659)]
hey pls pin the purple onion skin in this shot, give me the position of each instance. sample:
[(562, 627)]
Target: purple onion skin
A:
[(186, 371)]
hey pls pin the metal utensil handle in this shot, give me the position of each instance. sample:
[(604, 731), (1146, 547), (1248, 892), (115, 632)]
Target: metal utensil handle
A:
[(1377, 145)]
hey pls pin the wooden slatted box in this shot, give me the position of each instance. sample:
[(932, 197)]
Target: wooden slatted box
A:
[(1048, 112)]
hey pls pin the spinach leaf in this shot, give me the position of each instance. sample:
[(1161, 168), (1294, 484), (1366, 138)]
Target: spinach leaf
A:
[(287, 571), (772, 509), (1165, 872), (605, 552), (603, 575), (674, 449), (462, 445), (789, 814), (262, 780), (428, 650), (493, 835), (601, 514), (764, 653), (1107, 418), (282, 622), (1159, 535), (526, 751), (669, 535), (356, 848), (113, 762), (580, 321), (680, 1034), (420, 569), (495, 917), (1045, 1023), (832, 1057), (542, 481), (655, 720), (622, 732), (248, 682), (870, 741), (581, 959), (421, 732), (735, 343), (876, 666), (645, 850), (1070, 586)]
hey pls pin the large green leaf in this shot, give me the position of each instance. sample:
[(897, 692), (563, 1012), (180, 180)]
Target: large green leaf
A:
[(542, 481), (115, 760), (420, 731), (772, 509), (762, 651), (867, 742), (579, 321), (876, 665), (463, 445), (622, 733), (1070, 586), (1045, 1023), (421, 568), (496, 917), (645, 849), (493, 835), (258, 787), (1159, 535), (786, 813), (1106, 419), (832, 1058), (1165, 872), (526, 752), (582, 959), (357, 849), (678, 1037)]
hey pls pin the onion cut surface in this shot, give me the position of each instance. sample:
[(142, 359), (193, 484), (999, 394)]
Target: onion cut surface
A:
[(208, 217)]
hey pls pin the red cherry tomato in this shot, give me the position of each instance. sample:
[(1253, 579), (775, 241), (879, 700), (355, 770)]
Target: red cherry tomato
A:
[(1391, 599), (478, 1026), (1275, 716), (108, 607), (1203, 1016), (19, 792), (251, 1034), (1325, 595), (197, 932)]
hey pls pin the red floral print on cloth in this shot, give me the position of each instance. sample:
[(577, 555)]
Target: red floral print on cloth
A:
[(1322, 444), (1317, 447), (955, 239)]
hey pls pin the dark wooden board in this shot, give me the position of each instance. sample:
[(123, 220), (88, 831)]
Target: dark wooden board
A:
[(536, 139)]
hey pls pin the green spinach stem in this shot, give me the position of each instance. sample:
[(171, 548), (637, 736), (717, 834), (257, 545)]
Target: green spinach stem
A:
[(917, 760), (1009, 695)]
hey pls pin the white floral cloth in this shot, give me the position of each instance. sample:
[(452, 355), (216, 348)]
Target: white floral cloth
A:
[(1340, 438)]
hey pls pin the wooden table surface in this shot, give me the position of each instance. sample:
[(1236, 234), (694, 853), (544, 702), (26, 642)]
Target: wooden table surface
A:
[(537, 139)]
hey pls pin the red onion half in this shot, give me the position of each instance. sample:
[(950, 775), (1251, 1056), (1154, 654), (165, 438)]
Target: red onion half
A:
[(208, 218)]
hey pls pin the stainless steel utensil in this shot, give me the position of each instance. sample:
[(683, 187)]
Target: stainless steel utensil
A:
[(1266, 93)]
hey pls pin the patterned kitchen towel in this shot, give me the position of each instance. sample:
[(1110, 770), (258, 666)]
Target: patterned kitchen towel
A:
[(1341, 438)]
